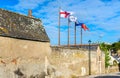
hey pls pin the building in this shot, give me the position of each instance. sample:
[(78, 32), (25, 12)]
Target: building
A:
[(22, 36), (24, 44)]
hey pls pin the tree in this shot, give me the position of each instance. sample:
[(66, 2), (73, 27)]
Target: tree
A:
[(118, 40), (115, 47), (105, 48)]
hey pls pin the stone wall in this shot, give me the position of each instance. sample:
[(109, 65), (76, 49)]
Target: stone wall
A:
[(22, 58), (30, 59), (73, 62), (10, 47)]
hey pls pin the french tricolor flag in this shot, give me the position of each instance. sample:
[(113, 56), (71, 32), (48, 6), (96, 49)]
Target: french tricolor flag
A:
[(82, 25)]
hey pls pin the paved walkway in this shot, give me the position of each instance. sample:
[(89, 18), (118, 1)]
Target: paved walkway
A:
[(110, 75)]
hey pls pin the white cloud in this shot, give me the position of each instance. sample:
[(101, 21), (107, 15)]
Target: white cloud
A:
[(101, 17), (28, 4)]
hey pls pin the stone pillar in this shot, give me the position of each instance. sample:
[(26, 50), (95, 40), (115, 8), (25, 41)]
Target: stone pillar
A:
[(30, 13)]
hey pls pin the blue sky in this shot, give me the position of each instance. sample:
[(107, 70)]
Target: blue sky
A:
[(102, 17)]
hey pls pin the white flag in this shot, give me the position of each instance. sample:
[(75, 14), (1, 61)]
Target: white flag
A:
[(64, 14), (72, 18)]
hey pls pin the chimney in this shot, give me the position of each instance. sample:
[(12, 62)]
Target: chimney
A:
[(30, 13)]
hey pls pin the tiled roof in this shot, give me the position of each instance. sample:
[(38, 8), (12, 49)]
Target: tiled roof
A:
[(22, 27)]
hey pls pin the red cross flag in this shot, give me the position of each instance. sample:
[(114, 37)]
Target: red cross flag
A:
[(64, 14)]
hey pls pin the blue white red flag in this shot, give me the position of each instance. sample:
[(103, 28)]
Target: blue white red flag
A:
[(82, 25)]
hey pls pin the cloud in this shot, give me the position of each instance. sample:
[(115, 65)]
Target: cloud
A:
[(28, 4), (96, 13), (100, 16)]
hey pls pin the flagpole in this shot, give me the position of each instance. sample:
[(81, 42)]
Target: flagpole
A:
[(68, 31), (75, 35), (59, 28), (81, 35)]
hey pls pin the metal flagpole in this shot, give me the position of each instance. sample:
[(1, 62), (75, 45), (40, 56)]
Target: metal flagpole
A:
[(81, 35), (75, 35), (59, 28), (68, 31)]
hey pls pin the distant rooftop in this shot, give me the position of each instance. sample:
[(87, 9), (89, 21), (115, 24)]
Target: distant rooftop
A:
[(22, 27)]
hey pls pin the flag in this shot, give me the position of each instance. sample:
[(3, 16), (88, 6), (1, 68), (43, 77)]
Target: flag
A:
[(82, 25), (64, 14), (71, 13), (72, 18), (77, 23)]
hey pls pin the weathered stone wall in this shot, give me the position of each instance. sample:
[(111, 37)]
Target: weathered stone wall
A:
[(29, 59), (16, 48), (73, 62), (22, 58)]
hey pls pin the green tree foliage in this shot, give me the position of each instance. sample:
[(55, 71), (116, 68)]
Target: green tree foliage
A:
[(107, 59), (118, 40), (116, 46), (105, 48)]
